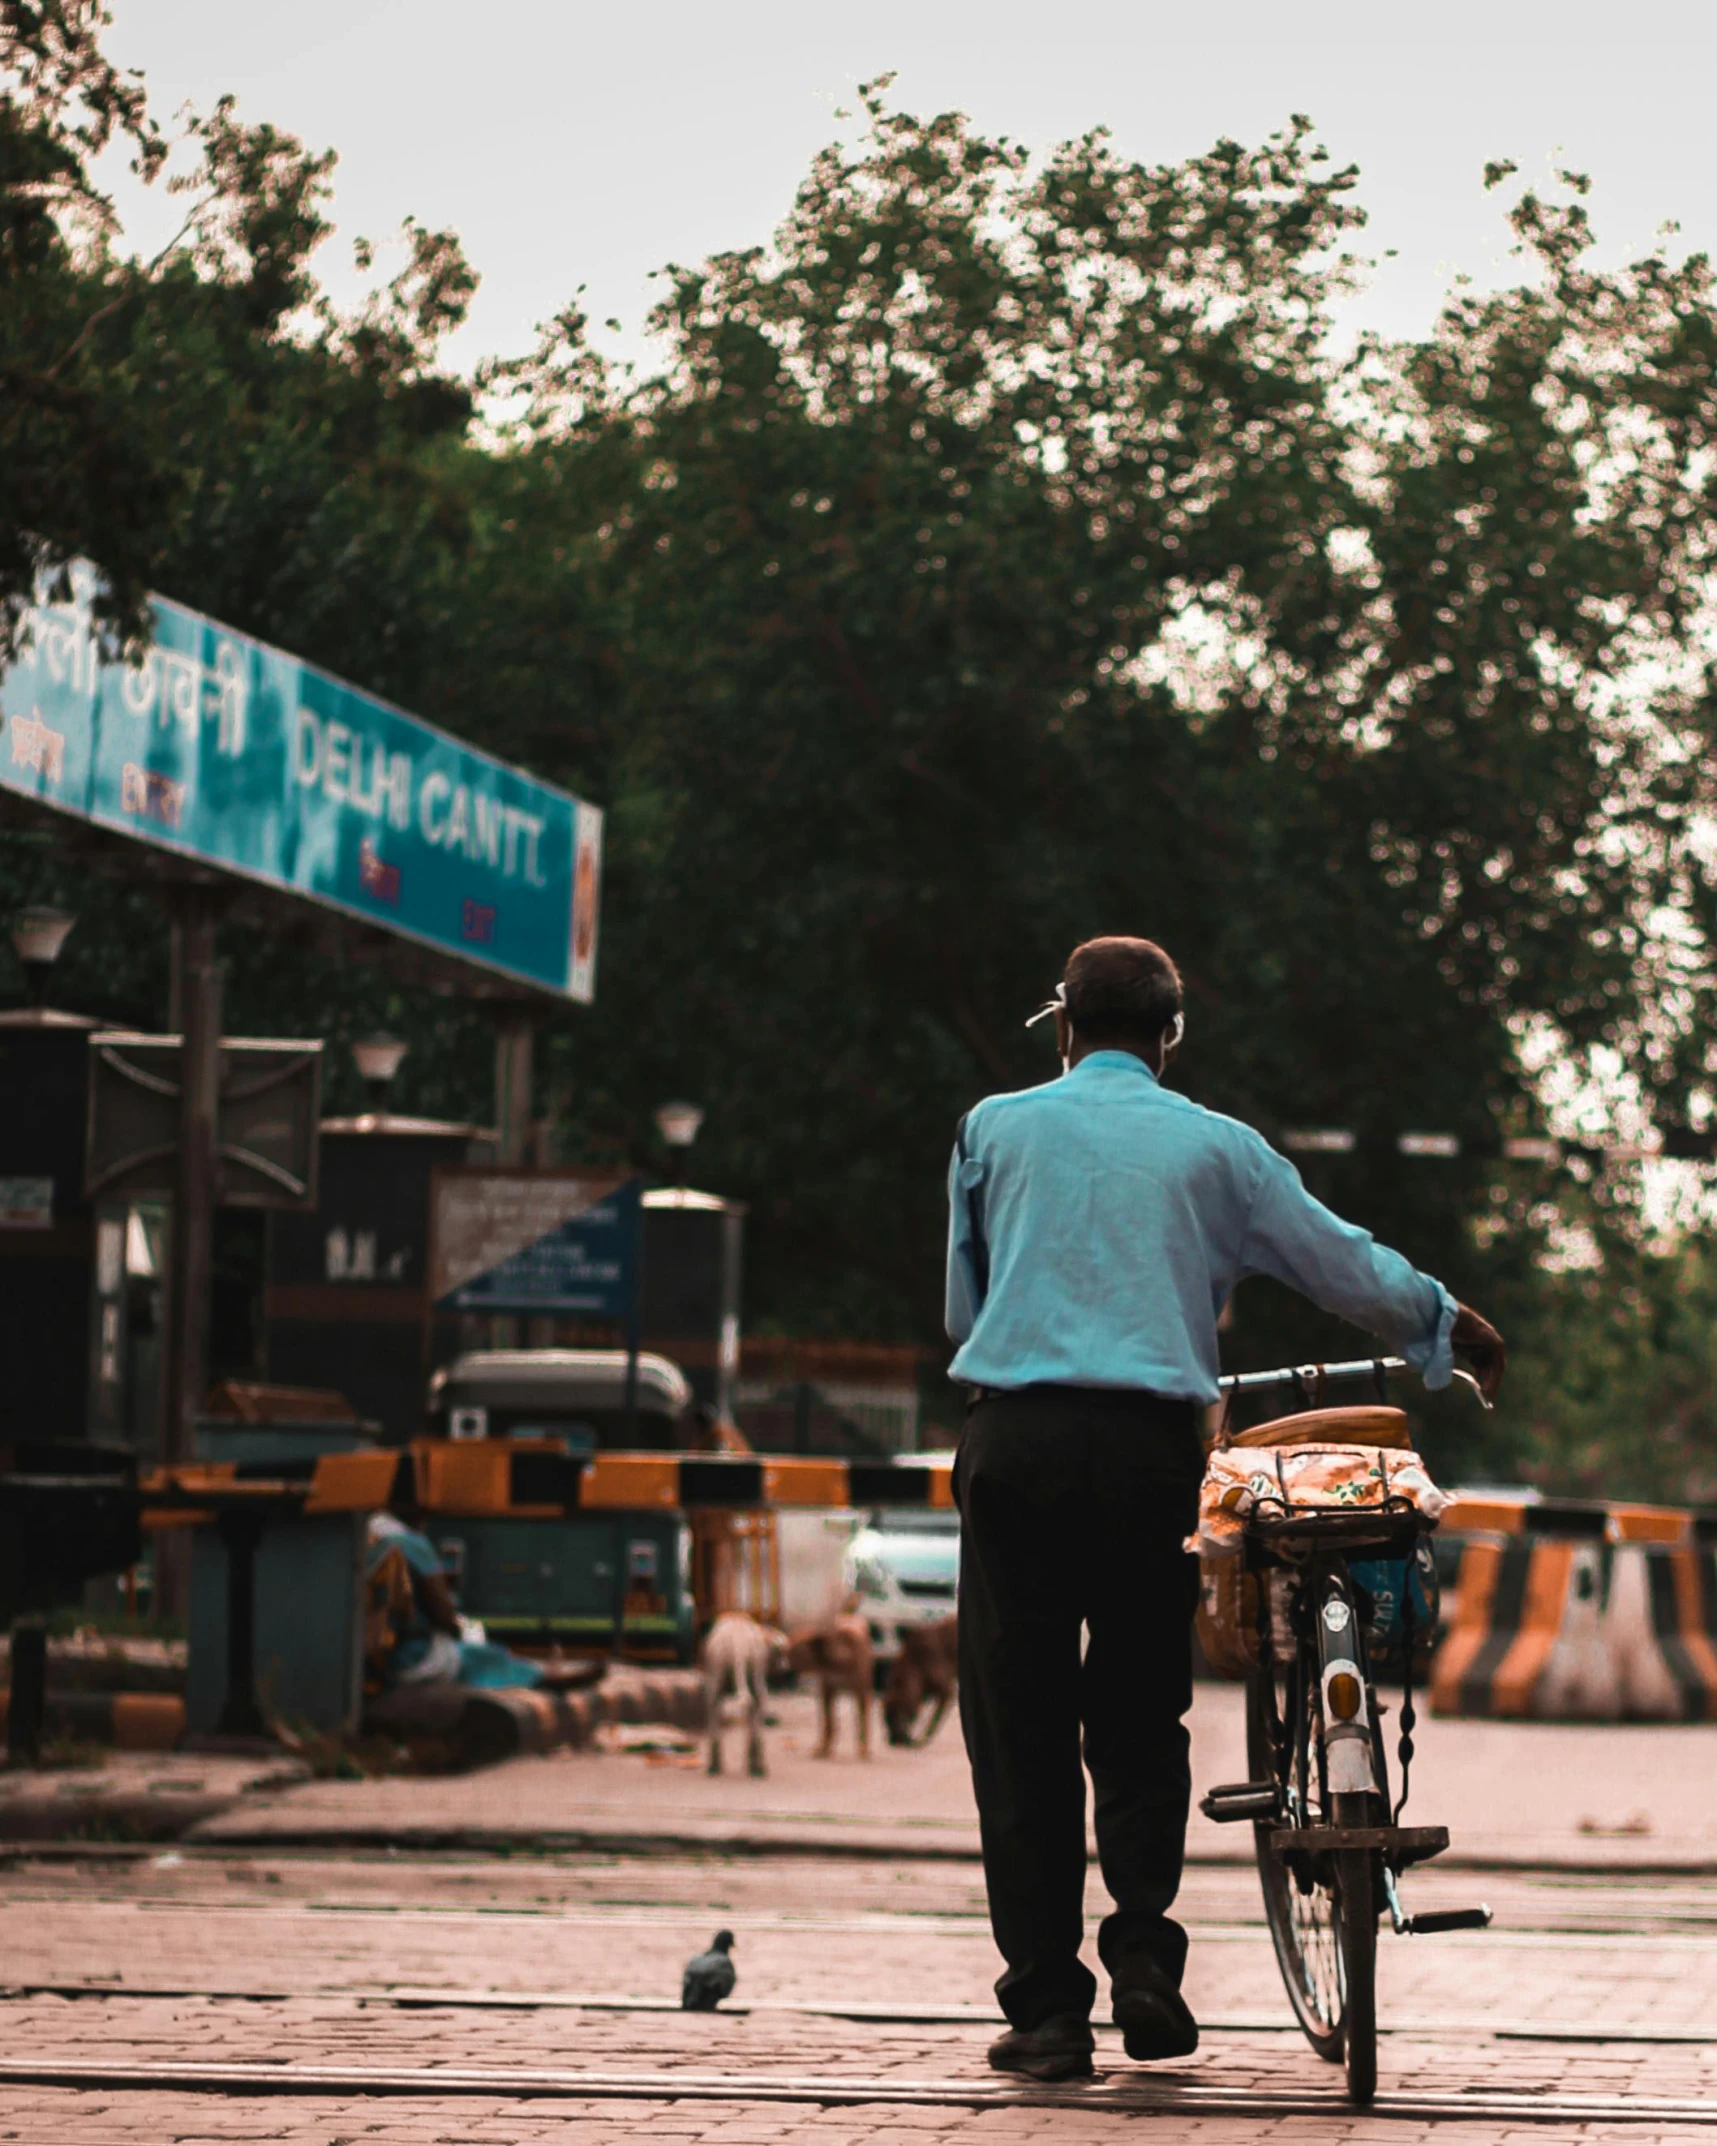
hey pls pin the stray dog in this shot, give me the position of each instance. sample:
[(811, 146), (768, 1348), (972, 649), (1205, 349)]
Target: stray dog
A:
[(925, 1668), (738, 1654), (837, 1653)]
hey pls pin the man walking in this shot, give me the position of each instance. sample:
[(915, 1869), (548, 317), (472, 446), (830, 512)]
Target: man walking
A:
[(1098, 1225)]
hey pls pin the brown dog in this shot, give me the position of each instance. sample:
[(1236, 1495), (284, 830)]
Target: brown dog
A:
[(837, 1653), (925, 1668)]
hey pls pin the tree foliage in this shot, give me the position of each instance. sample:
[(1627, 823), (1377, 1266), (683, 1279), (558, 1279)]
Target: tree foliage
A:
[(72, 465), (1002, 553), (1002, 556), (219, 431), (1615, 1389)]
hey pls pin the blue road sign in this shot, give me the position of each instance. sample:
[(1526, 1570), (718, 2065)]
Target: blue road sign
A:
[(226, 750), (542, 1241)]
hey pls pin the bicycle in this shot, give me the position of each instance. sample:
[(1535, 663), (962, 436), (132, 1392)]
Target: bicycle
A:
[(1330, 1844)]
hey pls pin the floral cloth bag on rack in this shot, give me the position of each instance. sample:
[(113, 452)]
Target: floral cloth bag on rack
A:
[(1276, 1483)]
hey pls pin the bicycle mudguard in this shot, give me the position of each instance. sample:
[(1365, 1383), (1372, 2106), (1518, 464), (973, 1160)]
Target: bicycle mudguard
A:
[(1346, 1701)]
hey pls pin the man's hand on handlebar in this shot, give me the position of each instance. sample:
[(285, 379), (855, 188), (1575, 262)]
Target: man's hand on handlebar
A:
[(1483, 1348)]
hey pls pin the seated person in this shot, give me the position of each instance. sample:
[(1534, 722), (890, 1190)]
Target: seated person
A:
[(412, 1628)]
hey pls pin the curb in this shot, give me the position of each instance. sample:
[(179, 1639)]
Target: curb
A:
[(107, 1820), (844, 1845), (581, 1840)]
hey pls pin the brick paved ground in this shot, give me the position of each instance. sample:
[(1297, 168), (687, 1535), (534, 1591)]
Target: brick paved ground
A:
[(35, 2117), (327, 1947), (1600, 1985)]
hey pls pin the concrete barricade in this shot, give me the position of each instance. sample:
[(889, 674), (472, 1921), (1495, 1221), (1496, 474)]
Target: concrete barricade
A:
[(1578, 1613)]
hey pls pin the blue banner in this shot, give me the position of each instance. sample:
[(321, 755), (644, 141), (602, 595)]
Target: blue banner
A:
[(226, 750), (523, 1241)]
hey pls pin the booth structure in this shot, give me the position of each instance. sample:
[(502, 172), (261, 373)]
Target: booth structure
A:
[(277, 1572), (56, 1336), (694, 1253), (347, 1304)]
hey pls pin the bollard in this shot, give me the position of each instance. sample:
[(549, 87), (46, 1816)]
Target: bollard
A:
[(29, 1693)]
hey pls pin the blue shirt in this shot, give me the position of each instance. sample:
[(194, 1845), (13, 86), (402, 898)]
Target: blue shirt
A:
[(1114, 1218)]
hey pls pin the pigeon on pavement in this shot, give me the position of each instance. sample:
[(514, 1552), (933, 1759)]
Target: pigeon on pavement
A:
[(710, 1977)]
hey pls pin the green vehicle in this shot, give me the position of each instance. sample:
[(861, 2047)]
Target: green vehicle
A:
[(619, 1581)]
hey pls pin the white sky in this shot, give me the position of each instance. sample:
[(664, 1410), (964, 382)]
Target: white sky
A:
[(574, 144)]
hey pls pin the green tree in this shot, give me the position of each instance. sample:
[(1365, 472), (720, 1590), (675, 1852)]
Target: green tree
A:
[(208, 425), (1001, 556)]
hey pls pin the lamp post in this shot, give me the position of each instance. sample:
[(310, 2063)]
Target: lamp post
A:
[(37, 937), (378, 1060)]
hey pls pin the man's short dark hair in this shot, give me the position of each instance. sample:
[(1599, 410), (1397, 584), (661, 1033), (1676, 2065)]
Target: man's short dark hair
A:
[(1120, 991)]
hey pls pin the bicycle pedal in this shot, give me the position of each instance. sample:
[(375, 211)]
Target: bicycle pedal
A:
[(1446, 1919), (1239, 1801)]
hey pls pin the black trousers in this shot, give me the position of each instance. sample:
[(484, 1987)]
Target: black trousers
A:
[(1074, 1503)]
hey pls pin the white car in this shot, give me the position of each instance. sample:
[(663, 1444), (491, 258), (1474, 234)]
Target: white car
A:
[(904, 1567)]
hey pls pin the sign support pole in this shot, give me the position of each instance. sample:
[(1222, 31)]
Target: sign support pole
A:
[(197, 1008), (195, 1011), (515, 1039), (515, 1036), (634, 1329)]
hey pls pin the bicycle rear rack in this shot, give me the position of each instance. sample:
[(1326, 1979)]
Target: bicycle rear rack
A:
[(1396, 1846)]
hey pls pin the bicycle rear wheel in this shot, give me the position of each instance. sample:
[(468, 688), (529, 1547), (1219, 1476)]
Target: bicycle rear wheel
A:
[(1305, 1918)]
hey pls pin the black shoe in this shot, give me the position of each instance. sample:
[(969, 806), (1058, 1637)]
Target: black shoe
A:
[(1152, 2014), (1059, 2049)]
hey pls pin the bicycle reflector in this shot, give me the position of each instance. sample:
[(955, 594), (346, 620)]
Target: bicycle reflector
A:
[(1343, 1694)]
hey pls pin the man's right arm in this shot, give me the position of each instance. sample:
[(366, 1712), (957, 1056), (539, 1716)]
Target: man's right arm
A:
[(1343, 1269)]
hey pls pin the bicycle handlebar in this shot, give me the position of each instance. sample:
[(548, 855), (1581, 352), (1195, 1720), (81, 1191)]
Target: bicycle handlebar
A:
[(1378, 1369)]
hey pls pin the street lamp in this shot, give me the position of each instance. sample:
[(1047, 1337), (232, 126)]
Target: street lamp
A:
[(378, 1059), (678, 1123), (37, 937)]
